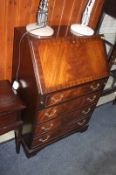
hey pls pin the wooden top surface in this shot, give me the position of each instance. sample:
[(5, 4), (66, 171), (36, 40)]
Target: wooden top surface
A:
[(9, 102), (66, 61)]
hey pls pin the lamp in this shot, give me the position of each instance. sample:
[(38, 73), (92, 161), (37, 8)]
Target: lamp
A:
[(83, 28), (41, 28)]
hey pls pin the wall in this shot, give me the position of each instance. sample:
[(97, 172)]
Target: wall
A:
[(15, 13), (12, 13)]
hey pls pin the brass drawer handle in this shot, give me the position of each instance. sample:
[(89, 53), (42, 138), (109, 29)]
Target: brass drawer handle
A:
[(95, 87), (86, 112), (44, 140), (5, 127), (91, 99), (58, 99), (50, 115), (47, 128), (80, 123)]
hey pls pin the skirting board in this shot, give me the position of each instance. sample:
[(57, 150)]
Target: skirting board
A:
[(106, 99), (8, 136)]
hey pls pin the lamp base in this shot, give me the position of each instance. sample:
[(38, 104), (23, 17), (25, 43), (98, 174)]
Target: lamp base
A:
[(39, 32), (81, 30)]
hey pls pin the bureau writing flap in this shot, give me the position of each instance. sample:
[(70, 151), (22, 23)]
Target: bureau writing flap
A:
[(63, 62)]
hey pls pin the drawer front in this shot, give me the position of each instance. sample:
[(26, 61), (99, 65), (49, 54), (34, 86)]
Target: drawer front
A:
[(6, 129), (13, 126), (69, 106), (7, 119), (74, 93), (60, 132), (63, 120)]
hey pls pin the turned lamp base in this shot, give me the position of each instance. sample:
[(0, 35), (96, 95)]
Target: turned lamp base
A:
[(81, 30), (39, 32)]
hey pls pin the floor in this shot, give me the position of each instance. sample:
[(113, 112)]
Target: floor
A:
[(90, 153)]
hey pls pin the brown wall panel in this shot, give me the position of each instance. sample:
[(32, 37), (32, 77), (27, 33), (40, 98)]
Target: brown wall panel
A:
[(9, 27), (21, 12), (2, 37), (70, 11)]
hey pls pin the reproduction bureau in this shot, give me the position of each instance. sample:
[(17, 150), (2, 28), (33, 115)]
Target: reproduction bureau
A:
[(61, 79), (10, 109)]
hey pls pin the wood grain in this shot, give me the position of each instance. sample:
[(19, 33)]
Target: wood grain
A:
[(15, 13), (58, 59)]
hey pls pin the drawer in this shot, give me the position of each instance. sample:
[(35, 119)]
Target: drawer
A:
[(60, 132), (7, 119), (62, 96), (69, 106), (63, 120), (13, 126), (6, 129)]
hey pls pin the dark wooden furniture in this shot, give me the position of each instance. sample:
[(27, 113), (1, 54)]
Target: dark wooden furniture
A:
[(61, 79), (10, 108)]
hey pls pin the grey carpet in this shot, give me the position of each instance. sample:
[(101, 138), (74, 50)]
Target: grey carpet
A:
[(89, 153)]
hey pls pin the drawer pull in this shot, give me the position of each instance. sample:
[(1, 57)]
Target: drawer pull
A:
[(57, 99), (47, 114), (44, 140), (5, 127), (91, 99), (86, 112), (95, 87), (81, 123), (47, 128)]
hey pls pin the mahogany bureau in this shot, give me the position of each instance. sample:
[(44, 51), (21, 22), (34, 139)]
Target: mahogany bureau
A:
[(10, 109), (61, 79)]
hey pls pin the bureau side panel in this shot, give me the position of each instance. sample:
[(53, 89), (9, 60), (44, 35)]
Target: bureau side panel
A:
[(23, 70)]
